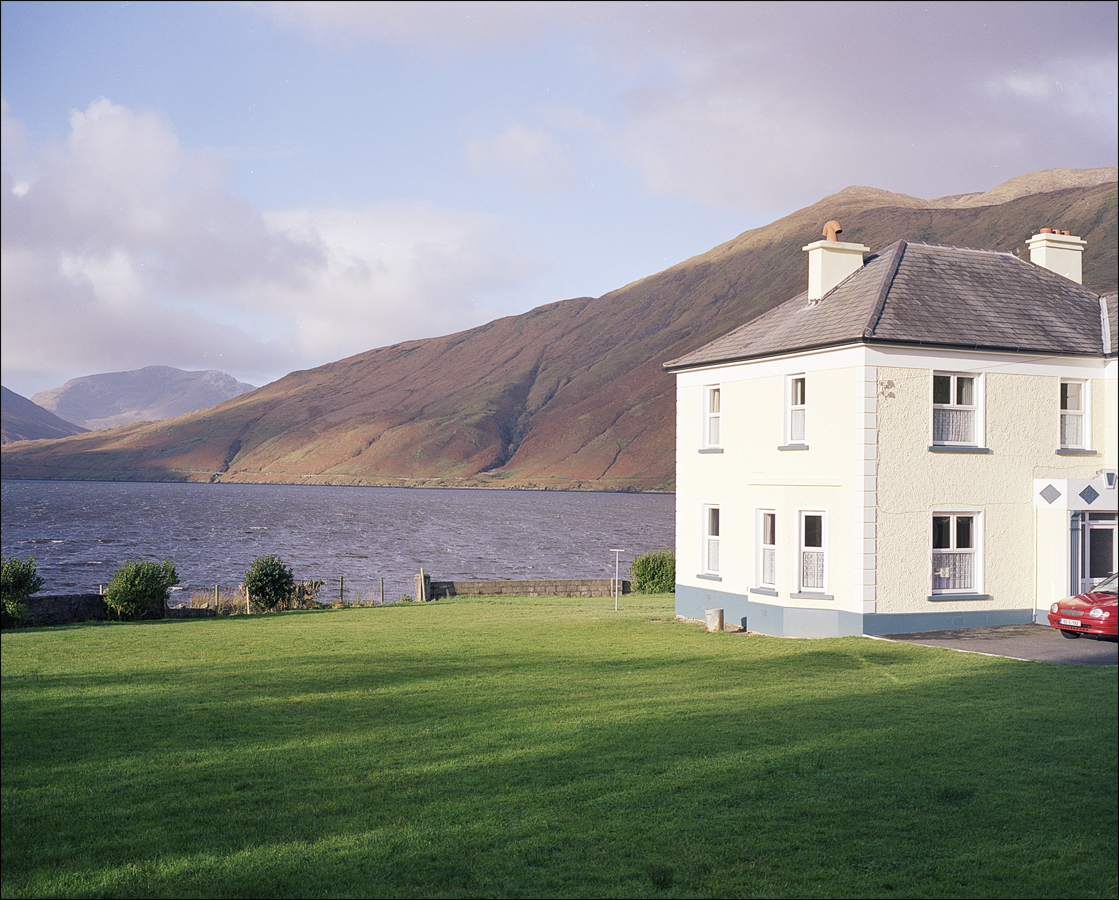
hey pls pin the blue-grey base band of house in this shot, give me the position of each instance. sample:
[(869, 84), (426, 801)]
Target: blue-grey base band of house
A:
[(779, 621)]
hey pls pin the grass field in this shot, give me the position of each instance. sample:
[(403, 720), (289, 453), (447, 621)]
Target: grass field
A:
[(544, 747)]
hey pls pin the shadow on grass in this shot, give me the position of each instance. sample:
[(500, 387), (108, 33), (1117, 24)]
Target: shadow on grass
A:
[(764, 767)]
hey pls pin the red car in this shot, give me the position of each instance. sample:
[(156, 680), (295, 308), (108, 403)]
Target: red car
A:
[(1094, 612)]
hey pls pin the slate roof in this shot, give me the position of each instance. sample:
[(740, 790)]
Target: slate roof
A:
[(930, 295)]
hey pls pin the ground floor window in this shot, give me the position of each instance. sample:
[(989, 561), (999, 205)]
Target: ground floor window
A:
[(711, 540), (955, 552), (767, 548), (813, 553)]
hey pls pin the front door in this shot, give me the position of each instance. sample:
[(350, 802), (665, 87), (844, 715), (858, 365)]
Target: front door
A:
[(1101, 551)]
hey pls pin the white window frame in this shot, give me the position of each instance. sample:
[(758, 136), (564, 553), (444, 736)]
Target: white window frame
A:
[(796, 410), (956, 406), (712, 417), (814, 557), (1074, 417), (765, 555), (947, 560), (711, 527)]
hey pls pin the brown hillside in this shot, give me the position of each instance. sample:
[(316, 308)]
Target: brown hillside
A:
[(24, 420), (569, 395)]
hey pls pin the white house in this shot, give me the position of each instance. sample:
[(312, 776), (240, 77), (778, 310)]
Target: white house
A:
[(924, 439)]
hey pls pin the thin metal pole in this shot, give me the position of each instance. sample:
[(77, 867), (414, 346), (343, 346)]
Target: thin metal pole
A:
[(617, 584)]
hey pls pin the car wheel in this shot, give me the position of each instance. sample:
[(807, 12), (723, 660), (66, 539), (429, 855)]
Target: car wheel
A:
[(1070, 634)]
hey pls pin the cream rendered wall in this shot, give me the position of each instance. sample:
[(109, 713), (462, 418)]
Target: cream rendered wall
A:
[(1105, 412), (752, 472), (1052, 524), (1021, 416)]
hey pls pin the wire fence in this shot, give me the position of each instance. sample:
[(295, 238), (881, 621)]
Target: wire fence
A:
[(340, 591)]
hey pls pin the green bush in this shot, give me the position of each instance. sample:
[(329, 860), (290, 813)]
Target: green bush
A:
[(18, 581), (655, 573), (141, 589), (268, 583)]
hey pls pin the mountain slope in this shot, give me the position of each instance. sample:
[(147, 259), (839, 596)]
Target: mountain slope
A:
[(148, 394), (568, 395), (24, 420)]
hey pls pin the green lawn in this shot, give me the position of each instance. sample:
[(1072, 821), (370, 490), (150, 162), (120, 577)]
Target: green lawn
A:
[(544, 747)]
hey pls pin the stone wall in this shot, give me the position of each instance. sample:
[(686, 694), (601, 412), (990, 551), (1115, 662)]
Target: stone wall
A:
[(66, 609), (63, 609), (554, 587)]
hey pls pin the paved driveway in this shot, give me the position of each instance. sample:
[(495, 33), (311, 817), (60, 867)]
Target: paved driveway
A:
[(1036, 642)]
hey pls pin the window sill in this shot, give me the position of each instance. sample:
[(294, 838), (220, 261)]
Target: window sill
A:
[(963, 596), (769, 592), (793, 447), (711, 450), (811, 595), (953, 448), (710, 577), (1076, 451)]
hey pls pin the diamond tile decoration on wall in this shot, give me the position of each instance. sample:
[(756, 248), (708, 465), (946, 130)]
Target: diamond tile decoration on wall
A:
[(1050, 493), (1089, 495)]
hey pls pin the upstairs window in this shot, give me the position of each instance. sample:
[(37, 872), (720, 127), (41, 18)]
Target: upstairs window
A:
[(1073, 430), (795, 414), (796, 410), (955, 409), (711, 415), (955, 553)]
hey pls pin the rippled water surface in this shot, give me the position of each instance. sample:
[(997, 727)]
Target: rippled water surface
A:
[(80, 532)]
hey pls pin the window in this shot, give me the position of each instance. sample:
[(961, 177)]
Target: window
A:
[(813, 555), (795, 412), (711, 405), (955, 553), (766, 564), (955, 409), (1073, 430), (711, 541)]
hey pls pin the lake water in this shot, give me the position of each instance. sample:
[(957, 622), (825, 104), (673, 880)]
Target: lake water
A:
[(81, 532)]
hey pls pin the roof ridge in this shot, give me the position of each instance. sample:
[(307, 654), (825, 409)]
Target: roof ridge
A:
[(1009, 253), (897, 251)]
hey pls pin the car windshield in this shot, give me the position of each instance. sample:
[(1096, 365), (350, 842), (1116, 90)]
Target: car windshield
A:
[(1109, 585)]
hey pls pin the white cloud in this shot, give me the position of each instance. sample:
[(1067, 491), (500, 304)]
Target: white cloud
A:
[(742, 105), (529, 156), (430, 26), (393, 271), (1082, 88), (125, 249)]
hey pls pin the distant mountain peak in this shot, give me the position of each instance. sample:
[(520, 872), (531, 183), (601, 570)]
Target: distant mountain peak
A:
[(148, 394)]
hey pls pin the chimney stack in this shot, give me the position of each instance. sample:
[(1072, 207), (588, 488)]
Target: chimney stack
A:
[(1059, 252), (831, 260)]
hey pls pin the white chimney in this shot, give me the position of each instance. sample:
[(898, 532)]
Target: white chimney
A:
[(830, 261), (1058, 252)]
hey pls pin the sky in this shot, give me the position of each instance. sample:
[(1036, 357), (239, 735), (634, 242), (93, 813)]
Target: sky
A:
[(266, 187)]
